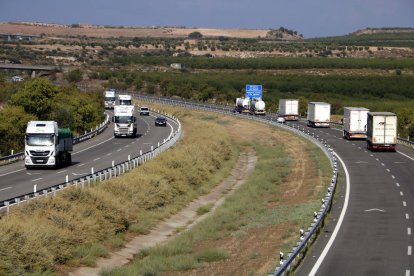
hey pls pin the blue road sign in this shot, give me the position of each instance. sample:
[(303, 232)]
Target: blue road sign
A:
[(253, 90)]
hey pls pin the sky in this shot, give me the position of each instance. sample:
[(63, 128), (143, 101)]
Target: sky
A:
[(312, 18)]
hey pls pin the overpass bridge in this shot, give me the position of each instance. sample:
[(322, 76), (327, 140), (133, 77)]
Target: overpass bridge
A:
[(34, 69)]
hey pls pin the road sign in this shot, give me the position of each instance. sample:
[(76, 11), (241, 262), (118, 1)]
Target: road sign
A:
[(253, 90)]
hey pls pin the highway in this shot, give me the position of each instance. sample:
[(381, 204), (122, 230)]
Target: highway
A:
[(95, 154), (375, 235)]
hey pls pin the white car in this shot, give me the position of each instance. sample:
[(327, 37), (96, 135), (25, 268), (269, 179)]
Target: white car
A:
[(281, 120), (16, 78)]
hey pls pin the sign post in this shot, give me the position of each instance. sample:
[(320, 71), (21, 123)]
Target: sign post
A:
[(253, 91)]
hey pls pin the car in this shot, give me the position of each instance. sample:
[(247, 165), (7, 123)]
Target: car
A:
[(161, 121), (144, 111), (17, 78), (281, 120)]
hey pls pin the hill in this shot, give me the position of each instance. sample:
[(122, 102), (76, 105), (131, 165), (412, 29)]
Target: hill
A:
[(368, 31)]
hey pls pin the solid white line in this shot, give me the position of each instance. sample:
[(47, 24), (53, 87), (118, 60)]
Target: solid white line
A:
[(408, 231), (409, 250), (404, 204), (5, 189), (409, 157), (340, 220)]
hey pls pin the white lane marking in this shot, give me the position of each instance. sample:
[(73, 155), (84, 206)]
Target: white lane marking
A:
[(338, 225), (407, 272), (11, 172), (37, 179), (78, 173), (147, 143), (127, 146), (398, 162), (359, 147), (388, 170), (62, 171), (371, 155), (409, 231), (93, 146), (5, 189), (80, 165), (377, 159), (407, 216), (409, 250), (96, 159), (118, 149), (353, 144), (409, 157), (404, 204), (375, 209), (393, 177), (398, 184), (109, 154), (382, 164), (401, 193)]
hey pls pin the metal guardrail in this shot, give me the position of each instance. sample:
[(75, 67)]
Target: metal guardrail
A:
[(98, 129), (307, 237), (101, 175)]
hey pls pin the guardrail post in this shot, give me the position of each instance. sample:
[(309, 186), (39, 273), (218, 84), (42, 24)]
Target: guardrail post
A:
[(6, 203)]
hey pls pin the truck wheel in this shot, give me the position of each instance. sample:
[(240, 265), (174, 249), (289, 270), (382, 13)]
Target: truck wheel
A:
[(69, 160)]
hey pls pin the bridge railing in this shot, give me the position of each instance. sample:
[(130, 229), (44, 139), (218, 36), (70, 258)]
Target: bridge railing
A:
[(107, 173), (88, 135)]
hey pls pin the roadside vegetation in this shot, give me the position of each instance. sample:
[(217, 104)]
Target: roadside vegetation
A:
[(262, 217), (79, 225), (39, 99)]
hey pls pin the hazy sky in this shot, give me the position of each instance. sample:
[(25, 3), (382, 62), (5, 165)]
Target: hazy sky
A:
[(309, 17)]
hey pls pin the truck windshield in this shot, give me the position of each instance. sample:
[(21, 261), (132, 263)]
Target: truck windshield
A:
[(144, 108), (123, 119), (110, 99), (40, 139), (125, 102)]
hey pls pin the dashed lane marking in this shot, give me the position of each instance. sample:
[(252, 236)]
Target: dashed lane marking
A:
[(401, 193), (37, 179), (393, 177), (5, 189), (404, 204), (62, 171), (409, 231), (388, 170), (407, 216), (398, 184), (409, 250), (96, 159)]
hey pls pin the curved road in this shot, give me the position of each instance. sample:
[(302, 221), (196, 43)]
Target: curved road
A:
[(375, 237), (97, 153)]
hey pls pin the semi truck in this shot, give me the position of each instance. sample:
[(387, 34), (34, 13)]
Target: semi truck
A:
[(46, 145), (355, 122), (125, 99), (242, 105), (125, 121), (257, 106), (381, 131), (289, 109), (319, 114), (110, 99)]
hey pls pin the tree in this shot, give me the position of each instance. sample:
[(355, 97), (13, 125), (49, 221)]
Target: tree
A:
[(13, 122), (195, 35), (36, 97), (74, 76)]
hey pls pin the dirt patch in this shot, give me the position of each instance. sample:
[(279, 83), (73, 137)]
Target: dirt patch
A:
[(186, 218)]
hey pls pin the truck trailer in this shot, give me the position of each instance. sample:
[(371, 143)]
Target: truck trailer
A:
[(257, 107), (355, 122), (46, 145), (242, 105), (319, 114), (381, 131), (125, 121), (110, 99), (289, 109)]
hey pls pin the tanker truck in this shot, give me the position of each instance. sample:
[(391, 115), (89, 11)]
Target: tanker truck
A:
[(46, 145), (242, 105), (257, 107)]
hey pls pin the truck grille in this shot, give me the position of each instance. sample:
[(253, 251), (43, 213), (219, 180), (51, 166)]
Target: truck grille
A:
[(39, 160), (39, 153), (123, 130)]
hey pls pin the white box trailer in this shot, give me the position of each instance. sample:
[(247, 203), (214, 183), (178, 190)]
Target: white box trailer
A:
[(381, 131), (289, 109), (319, 114), (355, 122)]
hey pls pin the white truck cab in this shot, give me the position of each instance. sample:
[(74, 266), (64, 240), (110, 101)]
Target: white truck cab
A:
[(110, 99), (125, 122)]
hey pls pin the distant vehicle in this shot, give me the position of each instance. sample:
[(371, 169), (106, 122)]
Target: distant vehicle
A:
[(355, 122), (125, 122), (46, 145), (110, 99), (257, 107), (125, 100), (144, 111), (161, 121), (281, 120), (242, 105), (17, 79), (319, 114), (289, 109), (381, 131)]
